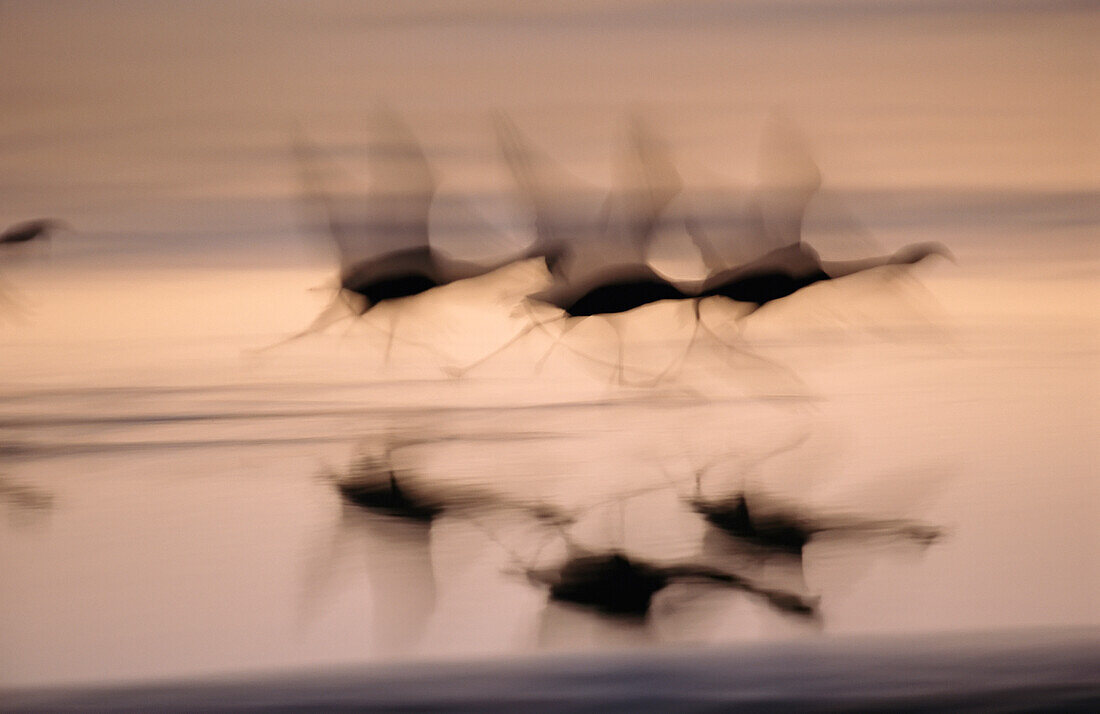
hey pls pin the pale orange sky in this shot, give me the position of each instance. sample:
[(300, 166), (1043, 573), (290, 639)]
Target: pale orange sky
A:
[(107, 103)]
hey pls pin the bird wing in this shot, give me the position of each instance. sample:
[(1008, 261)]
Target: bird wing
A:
[(648, 183), (317, 178), (727, 227), (476, 227), (788, 178), (402, 183), (651, 175), (567, 211), (736, 229), (392, 216)]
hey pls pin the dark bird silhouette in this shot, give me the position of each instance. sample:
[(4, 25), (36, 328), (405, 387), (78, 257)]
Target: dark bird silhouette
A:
[(382, 242), (38, 229), (602, 267), (770, 219), (19, 234), (785, 271), (395, 555)]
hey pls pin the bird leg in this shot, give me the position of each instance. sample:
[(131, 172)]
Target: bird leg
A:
[(526, 330), (553, 346), (746, 351), (617, 377), (679, 362), (394, 317), (332, 313)]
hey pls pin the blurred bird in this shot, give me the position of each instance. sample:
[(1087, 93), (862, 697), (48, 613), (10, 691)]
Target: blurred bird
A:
[(784, 528), (372, 483), (37, 229), (382, 238), (613, 583), (763, 236), (599, 255), (788, 180), (375, 483)]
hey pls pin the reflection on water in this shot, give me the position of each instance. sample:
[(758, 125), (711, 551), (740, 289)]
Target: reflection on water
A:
[(171, 497), (396, 557), (25, 505)]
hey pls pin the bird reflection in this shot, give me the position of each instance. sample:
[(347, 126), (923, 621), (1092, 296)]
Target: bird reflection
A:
[(784, 529), (762, 527), (605, 581), (372, 484), (25, 504), (613, 582), (395, 556), (765, 538)]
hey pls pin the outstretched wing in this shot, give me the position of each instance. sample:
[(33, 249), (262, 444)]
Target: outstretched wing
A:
[(656, 179), (317, 178), (388, 217), (402, 187), (648, 183), (788, 178), (567, 211), (733, 229)]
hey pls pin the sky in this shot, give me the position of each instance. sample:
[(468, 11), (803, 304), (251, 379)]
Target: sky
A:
[(116, 113)]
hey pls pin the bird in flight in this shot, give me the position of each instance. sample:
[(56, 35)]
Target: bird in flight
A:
[(27, 231), (770, 259), (382, 237)]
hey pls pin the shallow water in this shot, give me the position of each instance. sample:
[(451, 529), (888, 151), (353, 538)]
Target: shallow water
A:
[(191, 532)]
